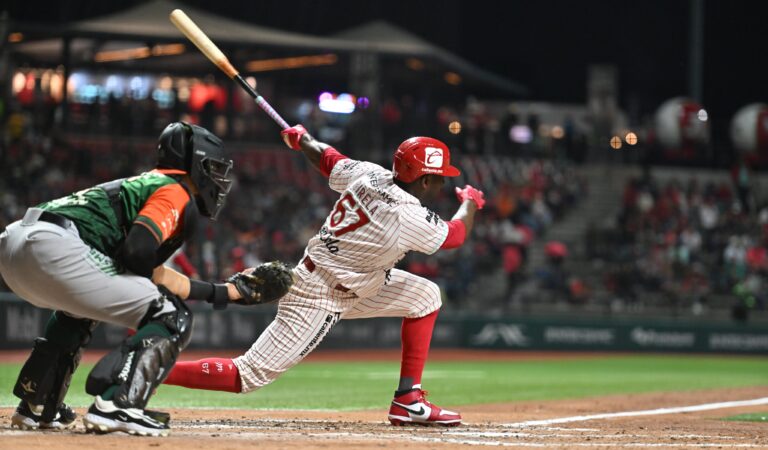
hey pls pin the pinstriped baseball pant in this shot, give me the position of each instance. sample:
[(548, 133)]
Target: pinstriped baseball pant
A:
[(311, 308)]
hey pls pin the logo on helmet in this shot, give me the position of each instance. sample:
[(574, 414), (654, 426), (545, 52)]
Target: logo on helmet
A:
[(433, 157)]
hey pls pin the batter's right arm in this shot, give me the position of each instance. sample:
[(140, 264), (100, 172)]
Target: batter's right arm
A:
[(298, 138), (320, 154)]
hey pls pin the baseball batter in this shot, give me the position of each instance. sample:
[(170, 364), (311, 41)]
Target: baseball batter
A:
[(347, 272), (96, 256)]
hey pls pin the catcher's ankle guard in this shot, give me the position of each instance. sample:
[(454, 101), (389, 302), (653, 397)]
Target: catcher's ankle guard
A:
[(45, 377), (143, 361)]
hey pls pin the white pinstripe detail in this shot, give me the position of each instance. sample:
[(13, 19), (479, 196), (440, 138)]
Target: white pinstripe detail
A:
[(398, 224)]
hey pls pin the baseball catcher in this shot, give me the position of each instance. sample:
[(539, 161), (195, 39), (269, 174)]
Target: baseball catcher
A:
[(96, 256)]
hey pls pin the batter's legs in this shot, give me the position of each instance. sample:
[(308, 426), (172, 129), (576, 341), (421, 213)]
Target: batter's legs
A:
[(297, 329), (417, 300)]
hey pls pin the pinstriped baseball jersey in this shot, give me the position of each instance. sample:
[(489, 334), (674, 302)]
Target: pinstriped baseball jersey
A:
[(370, 228)]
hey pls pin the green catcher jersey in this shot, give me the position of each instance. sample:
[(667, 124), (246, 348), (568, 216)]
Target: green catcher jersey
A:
[(153, 199)]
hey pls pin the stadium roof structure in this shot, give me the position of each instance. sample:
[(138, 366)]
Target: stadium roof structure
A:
[(149, 23), (383, 37)]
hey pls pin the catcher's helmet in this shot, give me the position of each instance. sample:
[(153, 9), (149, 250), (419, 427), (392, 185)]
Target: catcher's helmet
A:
[(200, 153), (419, 156)]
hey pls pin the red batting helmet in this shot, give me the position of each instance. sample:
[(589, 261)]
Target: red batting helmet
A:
[(419, 156)]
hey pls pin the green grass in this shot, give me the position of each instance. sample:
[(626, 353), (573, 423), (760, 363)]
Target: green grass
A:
[(368, 385), (753, 417)]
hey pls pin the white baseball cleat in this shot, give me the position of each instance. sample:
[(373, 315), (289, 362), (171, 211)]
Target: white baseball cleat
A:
[(104, 417), (413, 408), (29, 417)]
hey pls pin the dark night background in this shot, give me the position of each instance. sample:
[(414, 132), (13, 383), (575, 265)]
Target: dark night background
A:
[(672, 225), (546, 45)]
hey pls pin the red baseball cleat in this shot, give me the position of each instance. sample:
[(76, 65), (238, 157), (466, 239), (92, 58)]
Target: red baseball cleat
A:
[(413, 408)]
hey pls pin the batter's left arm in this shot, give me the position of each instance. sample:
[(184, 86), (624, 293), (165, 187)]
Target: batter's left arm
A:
[(462, 222)]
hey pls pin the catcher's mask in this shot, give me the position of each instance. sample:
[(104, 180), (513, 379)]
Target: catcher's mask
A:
[(200, 153)]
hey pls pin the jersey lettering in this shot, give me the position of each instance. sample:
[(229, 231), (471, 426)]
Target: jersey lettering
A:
[(345, 204), (432, 217), (326, 237), (370, 227), (75, 199)]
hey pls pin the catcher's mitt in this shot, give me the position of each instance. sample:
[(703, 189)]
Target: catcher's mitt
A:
[(266, 283)]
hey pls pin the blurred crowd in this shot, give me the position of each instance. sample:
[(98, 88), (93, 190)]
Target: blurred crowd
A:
[(687, 244), (478, 128), (279, 201)]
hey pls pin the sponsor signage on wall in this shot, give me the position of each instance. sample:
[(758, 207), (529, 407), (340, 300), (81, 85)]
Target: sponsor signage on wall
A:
[(238, 327)]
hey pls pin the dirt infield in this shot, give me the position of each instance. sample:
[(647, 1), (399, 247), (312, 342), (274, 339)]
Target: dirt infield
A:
[(624, 421), (485, 425)]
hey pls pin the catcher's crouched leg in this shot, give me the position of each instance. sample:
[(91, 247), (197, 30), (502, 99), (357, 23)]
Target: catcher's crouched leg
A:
[(45, 377), (124, 379)]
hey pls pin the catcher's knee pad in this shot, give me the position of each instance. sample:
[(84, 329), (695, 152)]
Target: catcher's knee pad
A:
[(44, 379), (144, 360)]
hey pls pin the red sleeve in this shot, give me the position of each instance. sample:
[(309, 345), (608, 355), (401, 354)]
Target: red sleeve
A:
[(329, 159), (163, 210), (457, 232)]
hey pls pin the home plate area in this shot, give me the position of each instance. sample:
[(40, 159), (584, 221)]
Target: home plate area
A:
[(658, 420)]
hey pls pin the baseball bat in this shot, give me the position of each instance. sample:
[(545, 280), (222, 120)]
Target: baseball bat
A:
[(216, 56)]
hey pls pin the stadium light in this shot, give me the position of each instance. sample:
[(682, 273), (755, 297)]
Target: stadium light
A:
[(521, 134), (139, 52), (414, 64), (452, 78), (340, 104), (296, 62)]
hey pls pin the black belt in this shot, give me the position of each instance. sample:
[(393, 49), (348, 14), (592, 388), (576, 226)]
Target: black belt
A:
[(47, 216), (310, 265)]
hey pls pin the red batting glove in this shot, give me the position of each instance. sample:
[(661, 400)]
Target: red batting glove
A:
[(293, 135), (470, 193)]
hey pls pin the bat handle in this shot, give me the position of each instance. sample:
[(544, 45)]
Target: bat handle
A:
[(272, 113), (263, 104)]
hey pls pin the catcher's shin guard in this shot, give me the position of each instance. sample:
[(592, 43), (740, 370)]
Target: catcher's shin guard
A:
[(144, 360), (44, 379)]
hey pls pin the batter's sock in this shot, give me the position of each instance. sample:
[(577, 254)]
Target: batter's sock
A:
[(416, 335), (211, 374)]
